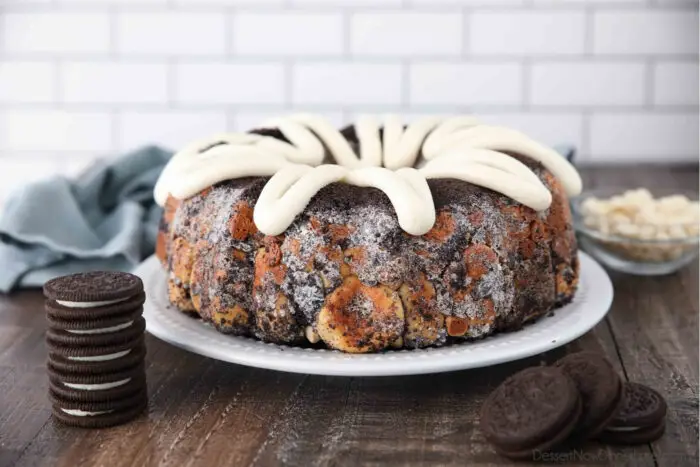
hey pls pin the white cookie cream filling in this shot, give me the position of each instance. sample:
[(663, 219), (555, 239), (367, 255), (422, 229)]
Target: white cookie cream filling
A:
[(97, 387), (118, 327), (101, 358), (458, 147), (83, 413), (68, 304)]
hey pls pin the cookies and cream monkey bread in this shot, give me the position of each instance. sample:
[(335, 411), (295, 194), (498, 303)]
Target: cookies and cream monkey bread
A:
[(378, 236)]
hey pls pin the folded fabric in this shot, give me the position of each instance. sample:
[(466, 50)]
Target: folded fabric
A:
[(106, 219)]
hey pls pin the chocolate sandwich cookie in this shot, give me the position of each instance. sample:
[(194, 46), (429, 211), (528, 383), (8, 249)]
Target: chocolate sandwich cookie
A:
[(533, 410), (100, 415), (62, 364), (66, 310), (82, 387), (93, 289), (118, 335), (89, 325), (600, 388), (109, 390), (641, 419), (96, 352)]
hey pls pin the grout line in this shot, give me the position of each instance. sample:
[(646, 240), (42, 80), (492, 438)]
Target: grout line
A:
[(287, 80), (339, 59), (649, 83), (406, 85), (171, 82), (113, 32), (466, 28), (58, 83), (115, 133), (585, 149), (229, 31), (526, 83), (527, 5), (333, 106), (589, 31), (346, 24)]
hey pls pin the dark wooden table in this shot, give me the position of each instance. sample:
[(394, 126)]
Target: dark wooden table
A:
[(205, 412)]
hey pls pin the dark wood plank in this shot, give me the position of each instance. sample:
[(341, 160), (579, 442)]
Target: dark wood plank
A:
[(655, 324), (204, 412)]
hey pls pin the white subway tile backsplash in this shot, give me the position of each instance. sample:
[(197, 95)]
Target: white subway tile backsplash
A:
[(110, 2), (587, 84), (470, 3), (471, 84), (664, 137), (227, 3), (363, 3), (391, 33), (589, 2), (548, 128), (229, 83), (114, 83), (295, 34), (527, 33), (346, 84), (171, 129), (246, 121), (676, 83), (617, 78), (55, 130), (171, 33), (54, 32), (29, 82), (661, 32)]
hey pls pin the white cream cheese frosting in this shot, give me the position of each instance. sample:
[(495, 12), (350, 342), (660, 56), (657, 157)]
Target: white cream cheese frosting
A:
[(456, 147)]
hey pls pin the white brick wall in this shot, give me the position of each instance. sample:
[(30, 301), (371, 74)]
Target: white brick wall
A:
[(86, 78), (393, 34)]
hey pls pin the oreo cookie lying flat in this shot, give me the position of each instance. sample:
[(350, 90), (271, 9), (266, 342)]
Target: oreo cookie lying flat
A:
[(533, 410), (108, 390), (58, 311), (94, 353), (94, 382), (92, 415), (93, 289), (90, 325), (641, 418), (126, 332), (57, 363), (600, 388)]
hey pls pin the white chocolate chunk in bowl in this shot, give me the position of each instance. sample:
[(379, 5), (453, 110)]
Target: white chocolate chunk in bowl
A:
[(639, 231)]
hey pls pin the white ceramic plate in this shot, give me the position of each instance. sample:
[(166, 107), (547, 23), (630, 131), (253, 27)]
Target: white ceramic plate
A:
[(590, 305)]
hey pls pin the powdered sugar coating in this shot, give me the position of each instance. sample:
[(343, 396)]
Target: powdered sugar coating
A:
[(488, 265)]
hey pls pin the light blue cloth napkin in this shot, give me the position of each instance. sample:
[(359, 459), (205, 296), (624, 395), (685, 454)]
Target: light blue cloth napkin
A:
[(106, 219)]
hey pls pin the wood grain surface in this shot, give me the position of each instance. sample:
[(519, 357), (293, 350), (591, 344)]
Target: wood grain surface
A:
[(205, 412)]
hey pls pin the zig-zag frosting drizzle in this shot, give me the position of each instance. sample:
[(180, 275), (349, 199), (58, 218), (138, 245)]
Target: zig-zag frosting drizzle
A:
[(456, 147)]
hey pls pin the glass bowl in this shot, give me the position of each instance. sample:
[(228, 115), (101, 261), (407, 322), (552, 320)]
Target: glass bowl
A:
[(647, 257)]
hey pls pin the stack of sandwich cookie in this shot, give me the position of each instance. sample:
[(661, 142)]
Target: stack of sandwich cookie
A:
[(579, 398), (96, 348)]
